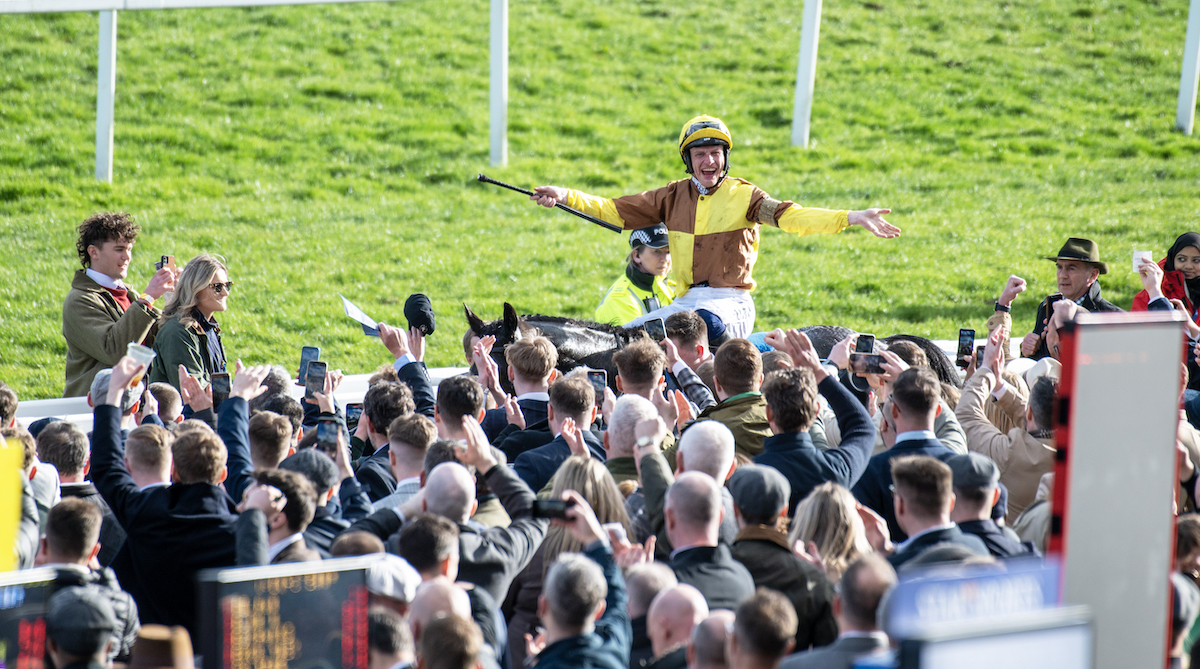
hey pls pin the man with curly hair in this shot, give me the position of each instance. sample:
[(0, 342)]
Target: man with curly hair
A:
[(102, 314)]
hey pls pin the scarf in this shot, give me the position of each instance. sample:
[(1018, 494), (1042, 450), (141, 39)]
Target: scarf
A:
[(1185, 240), (637, 277)]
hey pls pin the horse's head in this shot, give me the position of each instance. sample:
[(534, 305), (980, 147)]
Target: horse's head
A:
[(506, 330)]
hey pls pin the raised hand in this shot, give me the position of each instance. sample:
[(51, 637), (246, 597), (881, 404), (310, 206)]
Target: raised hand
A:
[(123, 373), (574, 438), (548, 196), (477, 452), (247, 381), (513, 412), (993, 352), (394, 340), (872, 221), (162, 282), (196, 396)]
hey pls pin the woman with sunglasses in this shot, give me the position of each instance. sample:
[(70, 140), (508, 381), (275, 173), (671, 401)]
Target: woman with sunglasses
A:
[(188, 334)]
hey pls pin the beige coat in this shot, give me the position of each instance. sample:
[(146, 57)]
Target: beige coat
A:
[(1022, 459), (97, 331)]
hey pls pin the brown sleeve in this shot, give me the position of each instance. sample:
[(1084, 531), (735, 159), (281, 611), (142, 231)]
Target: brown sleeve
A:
[(645, 209), (766, 209)]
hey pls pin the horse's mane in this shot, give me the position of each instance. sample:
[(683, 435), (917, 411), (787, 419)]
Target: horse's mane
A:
[(560, 320)]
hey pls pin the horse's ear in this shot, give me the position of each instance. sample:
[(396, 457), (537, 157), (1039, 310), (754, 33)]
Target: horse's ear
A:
[(473, 321), (512, 324)]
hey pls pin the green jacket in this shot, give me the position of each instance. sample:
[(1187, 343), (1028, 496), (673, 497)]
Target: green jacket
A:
[(179, 345), (746, 417), (97, 331)]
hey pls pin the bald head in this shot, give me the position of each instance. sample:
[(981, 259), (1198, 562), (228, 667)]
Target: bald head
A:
[(706, 650), (434, 597), (862, 588), (693, 510), (706, 446), (622, 424), (673, 614), (450, 492), (644, 582)]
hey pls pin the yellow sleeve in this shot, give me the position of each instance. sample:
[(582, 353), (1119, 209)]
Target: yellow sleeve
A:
[(600, 207), (806, 220)]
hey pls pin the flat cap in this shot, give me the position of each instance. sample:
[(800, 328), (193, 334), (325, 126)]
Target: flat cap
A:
[(80, 619), (760, 492), (974, 471)]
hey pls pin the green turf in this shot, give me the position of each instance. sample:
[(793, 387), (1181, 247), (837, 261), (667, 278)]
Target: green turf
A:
[(327, 149)]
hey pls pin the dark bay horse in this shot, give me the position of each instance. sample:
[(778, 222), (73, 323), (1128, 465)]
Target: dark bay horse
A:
[(579, 343), (593, 344)]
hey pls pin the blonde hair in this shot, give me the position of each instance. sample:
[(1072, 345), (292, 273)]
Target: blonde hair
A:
[(590, 478), (828, 518), (196, 276)]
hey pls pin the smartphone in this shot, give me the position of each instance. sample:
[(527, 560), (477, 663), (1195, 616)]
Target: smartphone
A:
[(866, 363), (220, 388), (315, 380), (353, 413), (656, 329), (327, 434), (979, 355), (307, 354), (599, 379), (165, 261), (551, 508), (966, 342), (865, 344)]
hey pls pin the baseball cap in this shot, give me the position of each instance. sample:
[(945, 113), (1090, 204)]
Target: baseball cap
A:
[(392, 576), (759, 492), (655, 237), (80, 619)]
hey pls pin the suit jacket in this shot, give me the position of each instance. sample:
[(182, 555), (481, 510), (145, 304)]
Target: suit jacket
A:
[(112, 535), (375, 474), (950, 535), (656, 478), (97, 330), (713, 571), (297, 552), (416, 377), (838, 655), (537, 467), (768, 556), (492, 557), (515, 441), (872, 489), (805, 466), (1021, 458), (173, 531), (535, 411)]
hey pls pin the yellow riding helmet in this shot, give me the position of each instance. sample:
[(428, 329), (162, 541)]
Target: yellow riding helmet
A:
[(703, 130)]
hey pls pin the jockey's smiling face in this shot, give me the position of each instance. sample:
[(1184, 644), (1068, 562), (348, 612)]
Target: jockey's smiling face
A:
[(708, 162)]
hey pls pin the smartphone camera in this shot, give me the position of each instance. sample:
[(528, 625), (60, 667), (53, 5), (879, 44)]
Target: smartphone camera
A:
[(327, 436), (865, 344), (656, 329), (315, 380), (866, 363), (551, 508), (221, 388), (966, 342)]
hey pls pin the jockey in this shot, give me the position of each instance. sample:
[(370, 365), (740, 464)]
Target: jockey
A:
[(644, 287), (712, 222)]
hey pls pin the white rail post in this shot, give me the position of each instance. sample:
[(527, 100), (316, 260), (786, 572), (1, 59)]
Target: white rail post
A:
[(106, 88), (1191, 72), (498, 83), (806, 72)]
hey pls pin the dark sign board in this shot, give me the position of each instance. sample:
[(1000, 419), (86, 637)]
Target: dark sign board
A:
[(306, 615), (23, 598)]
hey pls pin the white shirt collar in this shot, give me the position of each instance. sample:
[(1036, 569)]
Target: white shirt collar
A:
[(412, 480), (277, 547), (541, 397), (148, 486), (914, 435), (104, 280)]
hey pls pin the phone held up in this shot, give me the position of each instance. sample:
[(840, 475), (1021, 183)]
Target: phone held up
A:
[(307, 354), (599, 380), (966, 342), (656, 329), (221, 388), (551, 508), (165, 261), (314, 380), (866, 363), (327, 434), (865, 344)]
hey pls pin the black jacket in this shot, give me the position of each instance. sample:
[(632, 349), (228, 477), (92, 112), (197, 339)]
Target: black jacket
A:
[(950, 535), (514, 441), (767, 555), (722, 580), (173, 531), (488, 558), (805, 466), (997, 542), (112, 535), (495, 420), (375, 473), (1090, 301), (123, 605)]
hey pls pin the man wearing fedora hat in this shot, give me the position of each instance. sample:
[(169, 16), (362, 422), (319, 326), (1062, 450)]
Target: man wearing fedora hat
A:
[(1078, 263)]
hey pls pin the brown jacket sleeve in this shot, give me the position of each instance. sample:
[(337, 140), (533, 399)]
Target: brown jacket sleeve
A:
[(982, 436)]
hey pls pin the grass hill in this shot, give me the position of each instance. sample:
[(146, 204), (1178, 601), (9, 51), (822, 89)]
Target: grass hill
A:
[(332, 149)]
